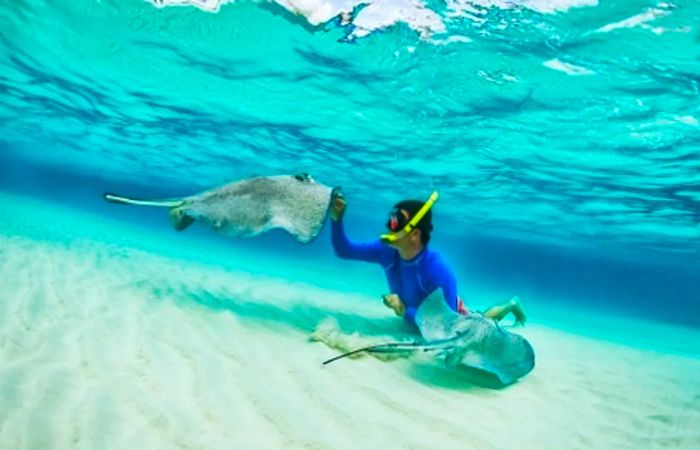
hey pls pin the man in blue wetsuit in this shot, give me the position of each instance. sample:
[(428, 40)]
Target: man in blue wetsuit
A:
[(413, 271)]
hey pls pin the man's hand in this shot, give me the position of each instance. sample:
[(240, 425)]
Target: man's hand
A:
[(338, 207), (394, 302)]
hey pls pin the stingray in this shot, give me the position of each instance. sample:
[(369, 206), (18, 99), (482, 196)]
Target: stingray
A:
[(295, 203), (474, 343)]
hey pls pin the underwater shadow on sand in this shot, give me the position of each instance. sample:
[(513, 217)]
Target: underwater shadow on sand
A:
[(305, 318), (454, 378)]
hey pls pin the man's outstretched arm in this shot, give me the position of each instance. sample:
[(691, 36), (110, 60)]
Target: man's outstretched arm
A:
[(370, 251)]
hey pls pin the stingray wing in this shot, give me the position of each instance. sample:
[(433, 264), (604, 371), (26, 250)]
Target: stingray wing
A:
[(294, 203)]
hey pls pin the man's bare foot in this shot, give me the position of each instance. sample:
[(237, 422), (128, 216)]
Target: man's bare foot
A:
[(518, 311)]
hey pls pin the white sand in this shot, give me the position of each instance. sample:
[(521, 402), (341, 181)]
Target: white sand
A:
[(103, 346)]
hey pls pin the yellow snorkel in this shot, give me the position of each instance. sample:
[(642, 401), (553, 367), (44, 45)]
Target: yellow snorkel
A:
[(396, 235)]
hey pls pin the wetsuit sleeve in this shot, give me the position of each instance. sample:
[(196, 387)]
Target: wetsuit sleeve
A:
[(370, 251), (448, 282), (411, 314)]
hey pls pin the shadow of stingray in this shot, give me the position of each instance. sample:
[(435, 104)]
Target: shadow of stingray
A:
[(305, 318), (456, 378), (302, 316)]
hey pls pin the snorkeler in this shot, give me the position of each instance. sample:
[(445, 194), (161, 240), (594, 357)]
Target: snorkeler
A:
[(413, 271)]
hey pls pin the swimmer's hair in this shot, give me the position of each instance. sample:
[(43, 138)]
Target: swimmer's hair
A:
[(425, 225)]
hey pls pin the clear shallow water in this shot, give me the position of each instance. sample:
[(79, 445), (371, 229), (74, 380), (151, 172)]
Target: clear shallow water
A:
[(565, 142), (563, 138), (106, 345)]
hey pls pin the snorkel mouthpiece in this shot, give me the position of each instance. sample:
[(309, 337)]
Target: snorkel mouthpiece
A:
[(388, 238), (394, 236)]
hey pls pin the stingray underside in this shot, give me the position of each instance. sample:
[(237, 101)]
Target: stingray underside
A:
[(253, 206), (294, 203)]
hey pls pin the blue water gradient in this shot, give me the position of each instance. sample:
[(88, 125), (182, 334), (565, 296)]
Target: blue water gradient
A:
[(565, 145)]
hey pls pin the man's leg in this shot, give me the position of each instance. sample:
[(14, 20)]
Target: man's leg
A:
[(500, 311)]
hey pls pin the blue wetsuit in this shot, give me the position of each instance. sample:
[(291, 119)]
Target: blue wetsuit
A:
[(412, 280)]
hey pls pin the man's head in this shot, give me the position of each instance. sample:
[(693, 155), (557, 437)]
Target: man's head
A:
[(410, 223)]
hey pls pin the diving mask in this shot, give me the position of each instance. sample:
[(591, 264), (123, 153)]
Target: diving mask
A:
[(397, 226)]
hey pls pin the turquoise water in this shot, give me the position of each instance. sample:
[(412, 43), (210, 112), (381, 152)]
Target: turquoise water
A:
[(564, 138), (562, 135)]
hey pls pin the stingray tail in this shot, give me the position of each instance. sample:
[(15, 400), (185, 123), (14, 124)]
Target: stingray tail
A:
[(392, 347), (178, 216), (166, 203), (403, 347)]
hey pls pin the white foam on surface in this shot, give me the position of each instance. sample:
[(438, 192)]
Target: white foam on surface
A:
[(462, 7), (318, 12), (375, 15), (381, 14), (639, 20), (688, 120), (204, 5), (451, 40), (569, 69)]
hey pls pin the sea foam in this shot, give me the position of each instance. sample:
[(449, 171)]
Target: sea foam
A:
[(362, 17)]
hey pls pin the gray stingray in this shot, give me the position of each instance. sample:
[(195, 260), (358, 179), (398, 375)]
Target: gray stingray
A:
[(470, 342), (295, 203)]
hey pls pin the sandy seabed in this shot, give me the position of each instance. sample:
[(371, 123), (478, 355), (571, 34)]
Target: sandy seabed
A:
[(108, 346)]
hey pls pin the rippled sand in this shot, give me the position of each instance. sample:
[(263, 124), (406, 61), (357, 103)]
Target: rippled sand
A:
[(105, 346)]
